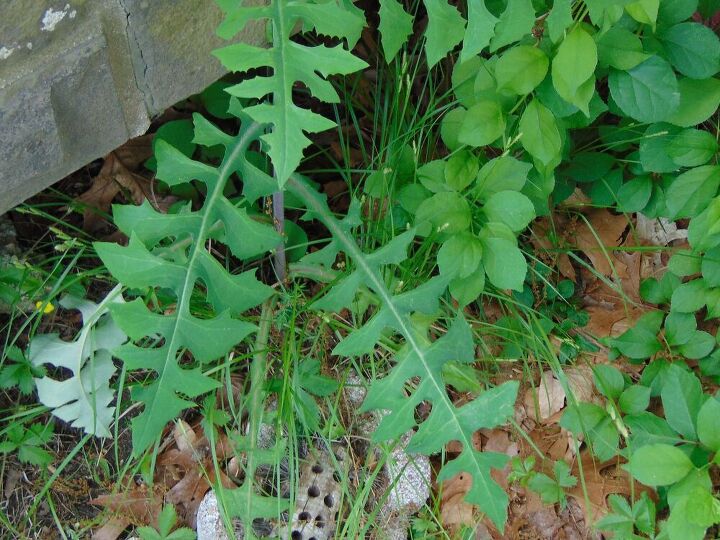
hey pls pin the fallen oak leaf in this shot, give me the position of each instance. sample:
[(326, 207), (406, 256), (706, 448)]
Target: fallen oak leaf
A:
[(601, 480), (113, 178), (189, 469), (546, 399), (597, 235), (112, 529), (139, 504), (545, 228), (454, 511)]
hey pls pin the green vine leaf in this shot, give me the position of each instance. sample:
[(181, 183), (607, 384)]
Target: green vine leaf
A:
[(83, 400), (417, 359), (396, 25), (560, 19), (446, 28), (290, 62), (188, 269), (573, 69), (480, 29), (648, 92), (515, 23)]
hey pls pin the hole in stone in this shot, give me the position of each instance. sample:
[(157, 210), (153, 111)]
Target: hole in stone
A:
[(317, 468), (339, 456), (312, 538), (337, 515), (304, 516), (296, 535), (328, 500), (319, 522), (336, 477), (313, 491)]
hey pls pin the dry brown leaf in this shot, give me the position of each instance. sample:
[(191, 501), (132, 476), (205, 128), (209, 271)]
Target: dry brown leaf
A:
[(611, 321), (185, 437), (541, 240), (601, 480), (547, 399), (659, 231), (499, 441), (183, 476), (456, 447), (112, 529), (548, 438), (113, 178), (139, 505), (596, 237), (189, 471), (580, 381), (454, 511), (136, 151)]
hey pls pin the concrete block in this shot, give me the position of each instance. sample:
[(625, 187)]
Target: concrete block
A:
[(80, 77)]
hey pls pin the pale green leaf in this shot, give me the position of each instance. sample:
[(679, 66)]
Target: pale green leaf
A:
[(689, 297), (659, 464), (573, 68), (648, 92), (460, 255), (511, 208), (521, 69), (447, 212), (396, 25), (83, 399), (707, 424), (692, 147), (446, 28), (560, 19), (699, 100), (693, 49), (540, 133), (482, 125), (504, 263), (516, 22), (682, 398), (481, 24), (500, 174), (690, 193), (644, 11), (641, 341), (621, 49), (461, 170)]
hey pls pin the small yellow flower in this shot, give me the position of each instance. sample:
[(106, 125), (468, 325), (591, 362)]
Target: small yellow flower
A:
[(49, 308)]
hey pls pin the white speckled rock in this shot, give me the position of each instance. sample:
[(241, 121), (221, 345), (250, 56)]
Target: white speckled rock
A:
[(210, 525), (408, 474)]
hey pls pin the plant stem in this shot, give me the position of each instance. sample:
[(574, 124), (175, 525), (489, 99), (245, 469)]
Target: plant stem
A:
[(278, 206)]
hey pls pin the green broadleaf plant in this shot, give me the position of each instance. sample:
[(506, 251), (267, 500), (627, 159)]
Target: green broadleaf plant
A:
[(521, 92), (183, 272), (417, 358), (84, 399), (290, 62)]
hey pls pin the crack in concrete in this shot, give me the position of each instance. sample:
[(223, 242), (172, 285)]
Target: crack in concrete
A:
[(137, 57)]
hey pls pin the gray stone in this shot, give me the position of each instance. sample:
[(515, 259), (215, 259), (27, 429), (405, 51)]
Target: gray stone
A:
[(80, 77), (210, 524)]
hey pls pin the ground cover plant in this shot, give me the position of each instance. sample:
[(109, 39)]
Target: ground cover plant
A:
[(498, 221)]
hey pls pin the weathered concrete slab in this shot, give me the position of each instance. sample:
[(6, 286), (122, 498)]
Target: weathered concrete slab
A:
[(80, 77)]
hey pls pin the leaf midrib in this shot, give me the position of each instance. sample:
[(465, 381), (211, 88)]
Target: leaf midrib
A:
[(352, 248), (224, 172)]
